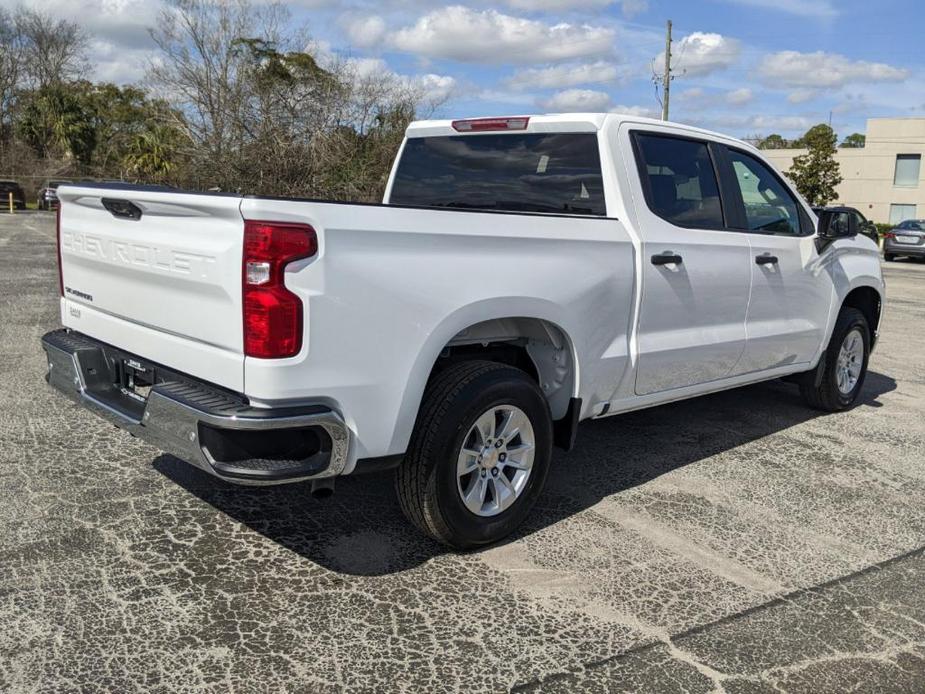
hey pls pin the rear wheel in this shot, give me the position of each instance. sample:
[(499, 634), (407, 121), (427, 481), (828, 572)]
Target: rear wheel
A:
[(479, 454), (889, 257), (845, 365)]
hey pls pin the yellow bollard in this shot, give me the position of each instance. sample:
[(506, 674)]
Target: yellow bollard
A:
[(11, 203)]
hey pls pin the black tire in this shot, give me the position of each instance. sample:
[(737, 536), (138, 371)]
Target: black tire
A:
[(827, 395), (426, 480), (889, 257)]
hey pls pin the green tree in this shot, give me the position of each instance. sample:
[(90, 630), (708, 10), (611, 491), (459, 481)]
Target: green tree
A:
[(854, 140), (817, 173), (120, 116), (56, 122), (152, 154), (96, 127), (773, 141)]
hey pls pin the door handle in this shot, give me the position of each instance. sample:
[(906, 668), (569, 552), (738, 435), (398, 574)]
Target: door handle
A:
[(766, 259), (667, 258)]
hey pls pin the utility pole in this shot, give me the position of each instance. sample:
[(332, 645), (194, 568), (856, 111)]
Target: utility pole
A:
[(666, 78)]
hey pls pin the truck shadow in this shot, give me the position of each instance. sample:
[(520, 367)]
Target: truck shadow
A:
[(361, 531)]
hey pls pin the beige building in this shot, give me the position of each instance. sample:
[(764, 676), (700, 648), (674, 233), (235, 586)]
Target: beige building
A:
[(884, 179)]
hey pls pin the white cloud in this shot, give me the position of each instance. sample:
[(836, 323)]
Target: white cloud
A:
[(695, 99), (581, 100), (506, 97), (119, 64), (473, 36), (800, 8), (758, 123), (434, 88), (801, 96), (118, 22), (739, 97), (365, 31), (639, 111), (853, 103), (700, 99), (700, 53), (630, 8), (693, 94), (363, 68), (782, 122), (566, 75), (824, 70), (552, 5)]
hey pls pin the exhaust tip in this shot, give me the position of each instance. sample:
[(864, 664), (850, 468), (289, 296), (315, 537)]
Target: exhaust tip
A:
[(323, 488)]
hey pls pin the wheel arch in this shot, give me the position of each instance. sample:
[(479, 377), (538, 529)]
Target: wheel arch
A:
[(869, 301), (504, 330)]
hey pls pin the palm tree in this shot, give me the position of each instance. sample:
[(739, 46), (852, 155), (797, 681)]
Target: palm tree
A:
[(152, 153)]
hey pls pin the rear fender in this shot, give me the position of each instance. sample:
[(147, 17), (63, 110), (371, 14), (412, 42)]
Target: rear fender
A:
[(479, 312)]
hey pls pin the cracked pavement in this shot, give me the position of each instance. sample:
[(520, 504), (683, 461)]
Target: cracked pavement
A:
[(737, 543)]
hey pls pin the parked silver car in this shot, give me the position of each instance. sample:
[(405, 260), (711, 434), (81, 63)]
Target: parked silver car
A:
[(907, 238), (48, 195)]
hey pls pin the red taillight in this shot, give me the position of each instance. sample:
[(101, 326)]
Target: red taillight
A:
[(889, 235), (480, 125), (58, 237), (273, 314)]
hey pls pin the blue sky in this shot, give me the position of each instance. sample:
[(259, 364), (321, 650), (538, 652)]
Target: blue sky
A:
[(742, 66)]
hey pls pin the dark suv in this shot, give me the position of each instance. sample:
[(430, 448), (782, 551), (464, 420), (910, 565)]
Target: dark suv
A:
[(19, 198)]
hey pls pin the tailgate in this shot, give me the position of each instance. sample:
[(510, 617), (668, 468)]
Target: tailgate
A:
[(166, 284)]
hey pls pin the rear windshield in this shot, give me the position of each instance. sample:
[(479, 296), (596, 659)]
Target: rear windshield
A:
[(552, 172)]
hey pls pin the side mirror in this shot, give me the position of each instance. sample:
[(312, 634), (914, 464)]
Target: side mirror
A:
[(836, 225)]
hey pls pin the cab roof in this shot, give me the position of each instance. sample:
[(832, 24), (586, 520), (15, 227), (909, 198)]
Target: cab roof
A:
[(558, 122)]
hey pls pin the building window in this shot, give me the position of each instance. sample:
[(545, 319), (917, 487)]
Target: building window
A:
[(900, 213), (907, 170)]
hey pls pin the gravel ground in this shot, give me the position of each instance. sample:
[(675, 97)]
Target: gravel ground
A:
[(738, 543)]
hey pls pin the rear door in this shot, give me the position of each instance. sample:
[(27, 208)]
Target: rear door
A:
[(792, 289), (695, 271), (156, 273)]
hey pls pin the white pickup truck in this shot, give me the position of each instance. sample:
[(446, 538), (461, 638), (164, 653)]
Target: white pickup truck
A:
[(522, 274)]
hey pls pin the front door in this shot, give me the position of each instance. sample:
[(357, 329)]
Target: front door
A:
[(791, 288), (695, 271)]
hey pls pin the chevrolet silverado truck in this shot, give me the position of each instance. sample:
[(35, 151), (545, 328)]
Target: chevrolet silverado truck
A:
[(522, 274)]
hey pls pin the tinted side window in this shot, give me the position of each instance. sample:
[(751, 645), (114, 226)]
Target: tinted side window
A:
[(841, 224), (769, 206), (680, 181), (537, 172)]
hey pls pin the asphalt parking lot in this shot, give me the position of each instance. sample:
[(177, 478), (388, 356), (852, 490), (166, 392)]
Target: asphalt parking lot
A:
[(737, 543)]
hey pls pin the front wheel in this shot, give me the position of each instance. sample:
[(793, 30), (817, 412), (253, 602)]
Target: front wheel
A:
[(479, 455), (845, 364)]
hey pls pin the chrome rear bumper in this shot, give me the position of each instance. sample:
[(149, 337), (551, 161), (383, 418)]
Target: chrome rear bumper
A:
[(195, 421)]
